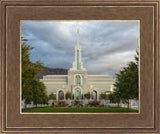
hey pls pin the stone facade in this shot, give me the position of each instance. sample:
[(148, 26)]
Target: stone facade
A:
[(78, 82)]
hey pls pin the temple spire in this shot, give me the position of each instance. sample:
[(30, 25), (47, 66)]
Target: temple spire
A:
[(78, 36), (78, 64)]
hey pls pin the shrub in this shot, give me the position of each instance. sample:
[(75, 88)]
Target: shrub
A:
[(68, 95), (104, 96), (62, 104), (94, 103), (114, 98), (102, 105), (77, 103), (52, 104), (72, 102), (87, 95), (52, 96)]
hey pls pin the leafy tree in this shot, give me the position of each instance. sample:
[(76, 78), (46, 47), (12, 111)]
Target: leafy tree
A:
[(115, 97), (51, 96), (32, 89), (29, 69), (127, 82), (87, 95), (27, 93), (104, 96), (39, 94), (68, 95)]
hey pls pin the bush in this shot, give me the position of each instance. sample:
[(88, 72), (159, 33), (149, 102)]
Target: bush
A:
[(94, 103), (52, 104), (102, 105), (68, 95), (77, 103), (72, 102), (62, 104), (87, 95), (52, 96), (104, 96), (114, 98)]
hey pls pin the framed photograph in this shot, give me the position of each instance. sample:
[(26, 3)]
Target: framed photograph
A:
[(49, 78), (80, 67)]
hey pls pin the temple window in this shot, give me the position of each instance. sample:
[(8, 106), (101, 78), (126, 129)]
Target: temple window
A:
[(78, 80)]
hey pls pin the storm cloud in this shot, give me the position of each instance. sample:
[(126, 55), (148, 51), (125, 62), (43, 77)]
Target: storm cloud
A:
[(107, 46)]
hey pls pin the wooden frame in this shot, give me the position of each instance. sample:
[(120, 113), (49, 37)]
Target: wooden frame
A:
[(12, 11)]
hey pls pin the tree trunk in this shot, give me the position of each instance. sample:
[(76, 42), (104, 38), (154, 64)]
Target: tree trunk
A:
[(128, 104), (118, 104), (25, 106)]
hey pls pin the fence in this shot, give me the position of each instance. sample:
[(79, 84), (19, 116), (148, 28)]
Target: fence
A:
[(134, 104)]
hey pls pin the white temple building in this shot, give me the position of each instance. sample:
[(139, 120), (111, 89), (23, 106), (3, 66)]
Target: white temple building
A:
[(78, 82)]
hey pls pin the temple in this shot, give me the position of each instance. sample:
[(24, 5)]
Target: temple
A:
[(78, 82)]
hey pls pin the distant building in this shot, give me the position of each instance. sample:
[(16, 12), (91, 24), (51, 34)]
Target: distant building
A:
[(78, 82)]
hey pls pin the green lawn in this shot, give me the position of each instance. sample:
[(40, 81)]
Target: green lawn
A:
[(79, 110)]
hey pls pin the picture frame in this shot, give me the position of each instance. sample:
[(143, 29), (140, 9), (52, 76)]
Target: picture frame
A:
[(146, 121)]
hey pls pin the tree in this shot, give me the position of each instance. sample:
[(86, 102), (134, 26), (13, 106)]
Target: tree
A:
[(126, 86), (87, 95), (115, 97), (68, 95), (104, 96), (51, 96), (32, 89), (39, 94)]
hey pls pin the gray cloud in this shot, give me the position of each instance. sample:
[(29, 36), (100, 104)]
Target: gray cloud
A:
[(106, 45)]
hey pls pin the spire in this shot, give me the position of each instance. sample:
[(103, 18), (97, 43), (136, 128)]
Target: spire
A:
[(77, 64), (78, 36)]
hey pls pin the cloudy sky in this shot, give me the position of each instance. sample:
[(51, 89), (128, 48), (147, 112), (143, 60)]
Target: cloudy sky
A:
[(107, 46)]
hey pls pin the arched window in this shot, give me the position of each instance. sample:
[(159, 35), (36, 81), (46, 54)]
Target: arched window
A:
[(77, 94), (78, 80), (94, 95), (61, 95)]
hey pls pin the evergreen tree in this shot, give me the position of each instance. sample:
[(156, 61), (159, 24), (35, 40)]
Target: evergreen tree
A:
[(126, 86), (32, 89)]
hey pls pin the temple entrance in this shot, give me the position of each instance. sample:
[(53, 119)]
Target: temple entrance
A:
[(61, 95), (94, 95), (77, 94)]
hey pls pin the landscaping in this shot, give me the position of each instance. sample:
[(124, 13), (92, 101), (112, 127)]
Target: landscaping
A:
[(79, 110)]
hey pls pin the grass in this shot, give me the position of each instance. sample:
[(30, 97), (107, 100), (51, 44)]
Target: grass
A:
[(79, 110)]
